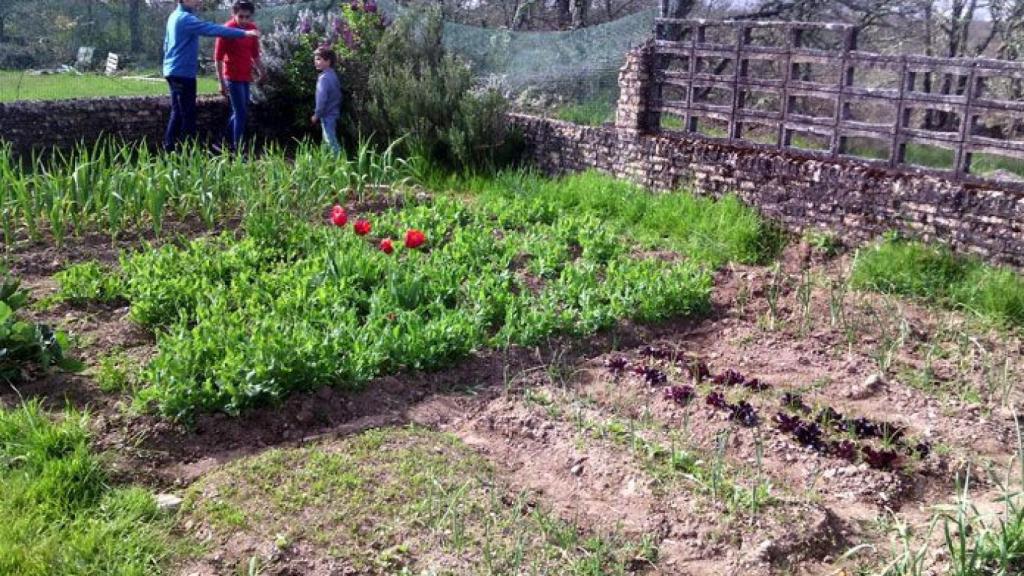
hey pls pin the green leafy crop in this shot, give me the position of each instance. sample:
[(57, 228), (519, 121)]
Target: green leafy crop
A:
[(295, 305), (24, 344)]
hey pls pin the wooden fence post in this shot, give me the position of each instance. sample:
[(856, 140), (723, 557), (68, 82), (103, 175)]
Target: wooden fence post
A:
[(898, 149), (963, 156), (846, 77), (739, 69)]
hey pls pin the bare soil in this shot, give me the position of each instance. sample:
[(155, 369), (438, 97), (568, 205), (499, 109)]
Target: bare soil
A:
[(561, 426)]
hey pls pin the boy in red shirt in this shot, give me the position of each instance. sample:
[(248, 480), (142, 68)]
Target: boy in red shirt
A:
[(237, 64)]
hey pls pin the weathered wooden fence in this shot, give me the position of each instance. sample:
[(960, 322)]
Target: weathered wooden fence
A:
[(872, 107)]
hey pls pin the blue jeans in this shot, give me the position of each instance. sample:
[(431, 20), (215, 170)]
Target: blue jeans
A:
[(183, 111), (330, 126), (238, 92)]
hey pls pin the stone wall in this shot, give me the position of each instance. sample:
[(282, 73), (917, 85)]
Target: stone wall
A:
[(857, 201), (62, 124)]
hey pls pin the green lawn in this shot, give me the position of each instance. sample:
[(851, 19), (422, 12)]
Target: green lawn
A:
[(59, 512), (17, 85)]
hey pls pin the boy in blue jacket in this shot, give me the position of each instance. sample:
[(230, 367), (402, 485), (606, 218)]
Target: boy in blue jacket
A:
[(181, 64), (328, 96)]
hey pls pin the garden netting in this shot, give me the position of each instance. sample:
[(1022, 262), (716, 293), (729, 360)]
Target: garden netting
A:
[(564, 62)]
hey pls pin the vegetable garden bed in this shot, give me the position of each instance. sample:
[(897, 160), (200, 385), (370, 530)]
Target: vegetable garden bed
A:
[(600, 380)]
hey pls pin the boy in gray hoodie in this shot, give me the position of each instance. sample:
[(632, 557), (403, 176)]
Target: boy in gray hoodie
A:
[(328, 96)]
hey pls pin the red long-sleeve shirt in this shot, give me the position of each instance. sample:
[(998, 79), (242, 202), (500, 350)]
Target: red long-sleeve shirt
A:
[(237, 55)]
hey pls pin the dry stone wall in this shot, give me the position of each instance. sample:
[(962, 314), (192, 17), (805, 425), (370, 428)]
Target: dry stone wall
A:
[(854, 200), (35, 125)]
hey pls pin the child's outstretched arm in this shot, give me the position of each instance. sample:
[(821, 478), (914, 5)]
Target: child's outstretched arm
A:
[(194, 25)]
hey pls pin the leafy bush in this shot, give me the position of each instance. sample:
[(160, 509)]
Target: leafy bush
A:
[(937, 275), (353, 30), (24, 344), (417, 88), (58, 514), (398, 82)]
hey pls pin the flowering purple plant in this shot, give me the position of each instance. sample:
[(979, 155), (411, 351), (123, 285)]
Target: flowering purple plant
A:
[(349, 38), (350, 30)]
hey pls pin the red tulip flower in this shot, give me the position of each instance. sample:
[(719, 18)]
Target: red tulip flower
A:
[(386, 246), (338, 216), (414, 238), (362, 227)]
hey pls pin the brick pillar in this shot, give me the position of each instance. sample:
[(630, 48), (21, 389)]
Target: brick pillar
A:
[(631, 115)]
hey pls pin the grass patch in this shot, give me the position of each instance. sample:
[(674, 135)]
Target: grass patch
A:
[(709, 473), (937, 275), (116, 372), (404, 501), (976, 542), (591, 113), (700, 229), (17, 85), (58, 513)]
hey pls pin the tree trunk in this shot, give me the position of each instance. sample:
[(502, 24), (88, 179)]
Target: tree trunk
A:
[(3, 37), (135, 25), (677, 9), (564, 16), (579, 9)]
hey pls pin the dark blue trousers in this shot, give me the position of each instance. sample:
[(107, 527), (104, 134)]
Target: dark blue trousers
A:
[(183, 111)]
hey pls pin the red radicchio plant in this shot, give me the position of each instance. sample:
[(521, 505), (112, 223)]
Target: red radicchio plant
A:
[(786, 423), (795, 402), (879, 459), (809, 434), (616, 365), (652, 376), (743, 413), (843, 449), (729, 378), (657, 353), (922, 449), (698, 370), (756, 385), (716, 399), (679, 394)]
